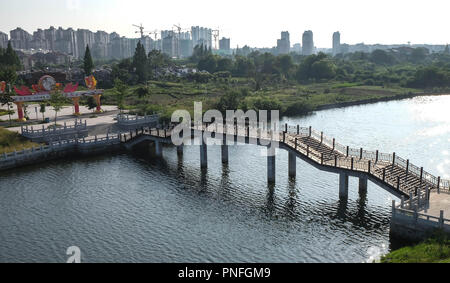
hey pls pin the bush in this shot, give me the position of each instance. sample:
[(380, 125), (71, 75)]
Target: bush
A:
[(298, 108)]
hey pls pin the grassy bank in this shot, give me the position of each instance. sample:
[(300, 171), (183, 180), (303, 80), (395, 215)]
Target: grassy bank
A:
[(10, 141), (290, 98), (434, 250)]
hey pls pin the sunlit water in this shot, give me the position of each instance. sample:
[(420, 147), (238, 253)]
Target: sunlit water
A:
[(130, 208)]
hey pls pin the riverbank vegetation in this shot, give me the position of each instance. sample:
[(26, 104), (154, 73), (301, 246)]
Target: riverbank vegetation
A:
[(434, 250), (10, 141), (293, 84)]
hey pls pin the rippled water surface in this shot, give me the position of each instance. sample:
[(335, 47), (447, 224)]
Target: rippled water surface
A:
[(131, 208)]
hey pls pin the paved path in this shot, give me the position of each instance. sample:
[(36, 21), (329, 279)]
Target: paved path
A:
[(98, 125), (439, 202)]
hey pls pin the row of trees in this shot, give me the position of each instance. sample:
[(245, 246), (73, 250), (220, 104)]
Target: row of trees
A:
[(416, 68), (141, 67), (404, 66)]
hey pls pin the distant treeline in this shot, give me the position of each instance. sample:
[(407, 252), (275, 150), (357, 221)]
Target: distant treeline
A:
[(406, 67)]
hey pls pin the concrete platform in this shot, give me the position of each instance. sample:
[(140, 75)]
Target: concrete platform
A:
[(439, 202)]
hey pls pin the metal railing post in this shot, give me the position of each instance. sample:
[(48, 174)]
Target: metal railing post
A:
[(439, 185)]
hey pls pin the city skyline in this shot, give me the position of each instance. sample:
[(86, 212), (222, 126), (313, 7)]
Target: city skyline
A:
[(251, 30)]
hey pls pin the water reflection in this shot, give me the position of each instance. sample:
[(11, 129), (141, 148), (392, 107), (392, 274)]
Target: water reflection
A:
[(137, 208)]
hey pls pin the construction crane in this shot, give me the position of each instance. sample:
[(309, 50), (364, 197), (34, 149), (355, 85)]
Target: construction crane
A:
[(155, 33), (141, 30), (216, 34)]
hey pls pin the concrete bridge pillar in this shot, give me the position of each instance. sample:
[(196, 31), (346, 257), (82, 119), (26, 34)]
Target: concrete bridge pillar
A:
[(292, 165), (271, 165), (224, 153), (343, 186), (203, 154), (363, 185), (158, 149)]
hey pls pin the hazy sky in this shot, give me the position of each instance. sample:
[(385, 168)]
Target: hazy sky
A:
[(253, 22)]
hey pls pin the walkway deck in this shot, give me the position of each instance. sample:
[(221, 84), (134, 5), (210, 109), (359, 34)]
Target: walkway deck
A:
[(388, 169)]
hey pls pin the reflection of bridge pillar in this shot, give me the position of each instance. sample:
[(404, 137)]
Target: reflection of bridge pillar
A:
[(203, 154), (76, 104), (363, 185), (224, 153), (343, 186), (20, 112), (292, 165), (271, 164), (158, 149), (180, 149)]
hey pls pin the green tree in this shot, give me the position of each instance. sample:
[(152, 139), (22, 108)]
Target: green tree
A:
[(285, 63), (323, 69), (224, 65), (8, 74), (140, 63), (42, 109), (88, 63), (9, 58), (91, 104), (418, 55), (57, 101), (156, 60), (229, 101), (120, 89), (382, 57), (143, 91), (208, 63), (6, 99)]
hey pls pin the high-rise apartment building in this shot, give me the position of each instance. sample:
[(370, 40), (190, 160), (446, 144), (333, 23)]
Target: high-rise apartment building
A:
[(20, 39), (284, 44), (3, 40), (224, 44), (201, 35), (336, 43), (308, 43)]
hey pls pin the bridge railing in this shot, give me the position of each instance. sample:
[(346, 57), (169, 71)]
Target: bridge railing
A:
[(376, 156), (31, 131), (135, 119)]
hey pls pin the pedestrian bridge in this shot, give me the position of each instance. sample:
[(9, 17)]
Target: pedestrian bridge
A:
[(389, 171)]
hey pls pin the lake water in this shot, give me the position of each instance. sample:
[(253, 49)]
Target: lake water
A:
[(132, 208)]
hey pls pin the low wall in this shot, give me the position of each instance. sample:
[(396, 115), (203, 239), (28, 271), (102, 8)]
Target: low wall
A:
[(78, 130), (414, 226), (56, 150), (129, 122)]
